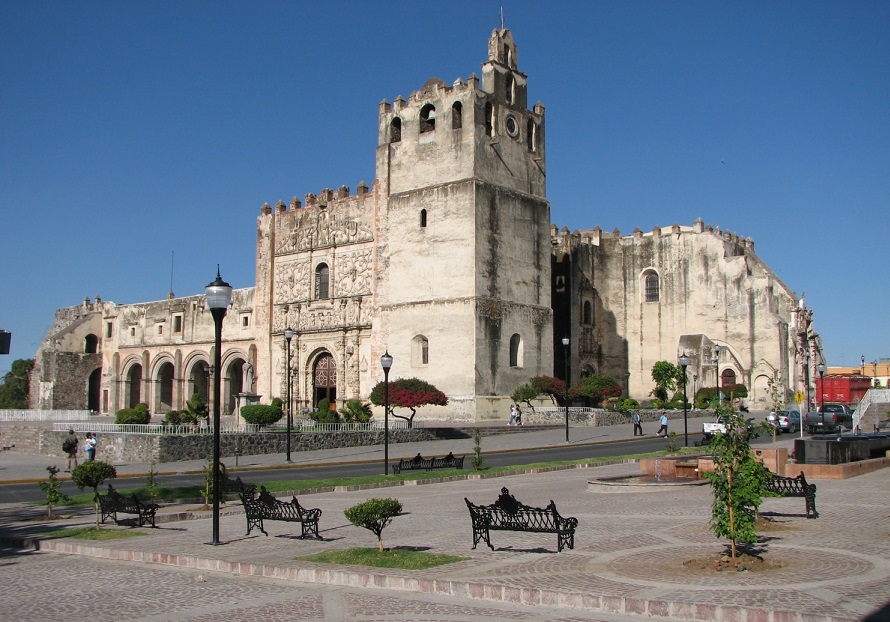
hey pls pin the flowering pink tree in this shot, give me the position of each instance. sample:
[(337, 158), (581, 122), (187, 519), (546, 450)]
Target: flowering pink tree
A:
[(409, 393)]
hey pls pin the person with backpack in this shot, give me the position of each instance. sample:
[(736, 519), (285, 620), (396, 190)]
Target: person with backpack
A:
[(69, 446)]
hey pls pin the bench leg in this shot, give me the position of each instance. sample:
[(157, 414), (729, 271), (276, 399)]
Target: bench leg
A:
[(310, 528), (565, 539), (481, 534), (255, 522), (811, 507)]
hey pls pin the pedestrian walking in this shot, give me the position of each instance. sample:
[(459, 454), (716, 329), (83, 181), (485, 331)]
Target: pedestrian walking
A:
[(512, 414), (518, 415), (69, 446), (638, 423), (664, 425)]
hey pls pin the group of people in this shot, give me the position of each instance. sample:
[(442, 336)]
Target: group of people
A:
[(515, 415), (638, 424), (71, 444)]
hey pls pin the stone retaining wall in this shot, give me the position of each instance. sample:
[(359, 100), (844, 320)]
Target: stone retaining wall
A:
[(160, 448)]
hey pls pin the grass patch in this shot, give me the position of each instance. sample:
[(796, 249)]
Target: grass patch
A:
[(91, 533), (405, 559)]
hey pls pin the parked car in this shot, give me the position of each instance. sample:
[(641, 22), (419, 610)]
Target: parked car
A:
[(786, 420)]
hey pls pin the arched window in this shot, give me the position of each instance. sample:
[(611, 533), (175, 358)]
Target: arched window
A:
[(508, 55), (90, 344), (420, 351), (322, 280), (427, 118), (423, 218), (510, 90), (588, 312), (489, 120), (457, 118), (516, 354), (650, 278), (395, 130)]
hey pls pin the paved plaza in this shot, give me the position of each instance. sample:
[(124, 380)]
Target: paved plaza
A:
[(627, 564)]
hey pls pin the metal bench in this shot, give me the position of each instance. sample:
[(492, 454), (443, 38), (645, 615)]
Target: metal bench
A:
[(114, 502), (264, 506), (235, 486), (508, 514), (795, 487), (419, 463)]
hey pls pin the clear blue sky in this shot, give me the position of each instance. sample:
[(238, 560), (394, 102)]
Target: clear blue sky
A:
[(130, 131)]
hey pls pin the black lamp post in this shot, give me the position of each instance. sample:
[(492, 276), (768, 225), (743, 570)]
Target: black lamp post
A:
[(807, 378), (386, 362), (684, 363), (821, 369), (288, 335), (219, 297), (565, 348), (862, 364)]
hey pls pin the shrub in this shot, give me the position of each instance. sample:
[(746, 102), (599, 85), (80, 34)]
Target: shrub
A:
[(628, 403), (260, 414), (138, 414), (53, 489), (195, 409), (356, 411), (173, 417), (374, 515), (278, 403), (324, 414)]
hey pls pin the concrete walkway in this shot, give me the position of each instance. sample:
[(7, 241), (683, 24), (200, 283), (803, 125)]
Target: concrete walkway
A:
[(628, 560)]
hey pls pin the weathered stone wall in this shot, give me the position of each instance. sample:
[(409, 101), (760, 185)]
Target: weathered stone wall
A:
[(116, 447)]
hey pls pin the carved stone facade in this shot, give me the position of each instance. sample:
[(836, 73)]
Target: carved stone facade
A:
[(449, 262)]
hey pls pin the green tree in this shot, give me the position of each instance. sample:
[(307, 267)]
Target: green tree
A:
[(478, 460), (738, 482), (776, 392), (410, 393), (91, 475), (16, 384), (374, 515), (666, 376), (53, 489)]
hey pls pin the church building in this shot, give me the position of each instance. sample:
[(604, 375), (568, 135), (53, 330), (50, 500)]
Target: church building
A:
[(449, 262)]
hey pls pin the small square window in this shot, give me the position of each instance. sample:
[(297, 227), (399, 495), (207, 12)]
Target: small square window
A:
[(245, 321), (132, 331), (160, 329), (177, 323), (108, 330)]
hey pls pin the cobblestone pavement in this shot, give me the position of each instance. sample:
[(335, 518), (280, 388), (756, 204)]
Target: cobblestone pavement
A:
[(628, 560)]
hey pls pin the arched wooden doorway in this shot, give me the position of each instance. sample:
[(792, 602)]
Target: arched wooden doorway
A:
[(324, 380)]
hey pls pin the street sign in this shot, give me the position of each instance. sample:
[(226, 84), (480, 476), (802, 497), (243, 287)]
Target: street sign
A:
[(798, 397)]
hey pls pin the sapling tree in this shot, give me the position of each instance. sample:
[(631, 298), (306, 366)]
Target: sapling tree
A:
[(53, 489), (478, 460), (738, 482), (93, 474), (374, 515), (776, 392)]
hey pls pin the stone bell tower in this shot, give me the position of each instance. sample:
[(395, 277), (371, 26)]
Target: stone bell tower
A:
[(464, 235)]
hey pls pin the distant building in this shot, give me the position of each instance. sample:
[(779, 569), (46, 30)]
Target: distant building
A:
[(450, 263)]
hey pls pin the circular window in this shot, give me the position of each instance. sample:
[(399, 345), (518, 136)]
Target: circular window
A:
[(512, 126)]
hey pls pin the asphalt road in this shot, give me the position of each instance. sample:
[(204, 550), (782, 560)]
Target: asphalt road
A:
[(30, 492)]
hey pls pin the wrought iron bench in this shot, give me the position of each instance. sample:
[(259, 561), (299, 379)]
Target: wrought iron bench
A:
[(508, 514), (228, 486), (114, 502), (264, 506), (795, 487), (419, 463)]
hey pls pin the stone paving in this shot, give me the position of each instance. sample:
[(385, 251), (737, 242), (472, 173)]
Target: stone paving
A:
[(627, 562)]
